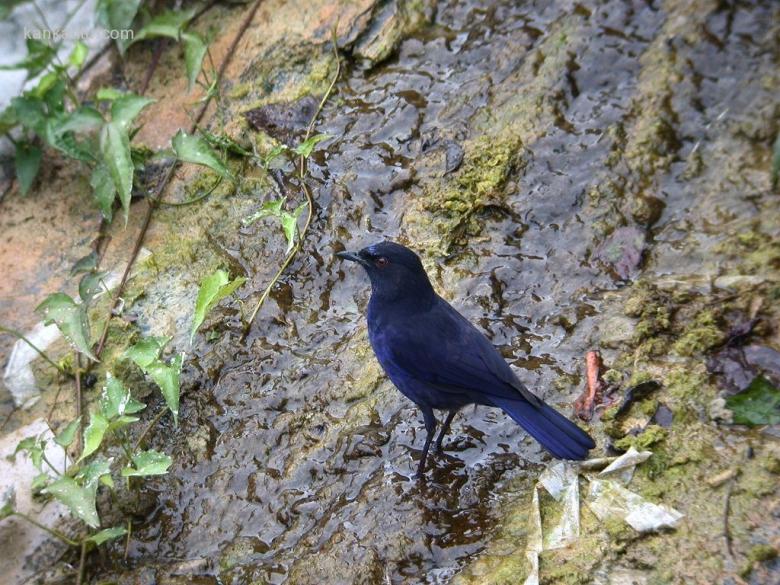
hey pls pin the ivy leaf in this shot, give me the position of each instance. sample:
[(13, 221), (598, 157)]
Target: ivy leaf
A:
[(28, 162), (106, 534), (269, 208), (78, 54), (306, 147), (148, 463), (115, 148), (84, 264), (758, 404), (33, 446), (195, 149), (118, 15), (104, 190), (97, 471), (84, 119), (79, 499), (290, 226), (93, 434), (115, 400), (91, 285), (65, 437), (166, 24), (146, 351), (213, 289), (167, 377), (125, 109), (70, 318), (194, 51)]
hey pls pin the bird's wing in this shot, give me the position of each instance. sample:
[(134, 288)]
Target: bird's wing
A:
[(442, 348)]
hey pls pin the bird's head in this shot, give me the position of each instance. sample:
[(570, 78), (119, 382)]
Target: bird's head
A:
[(395, 271)]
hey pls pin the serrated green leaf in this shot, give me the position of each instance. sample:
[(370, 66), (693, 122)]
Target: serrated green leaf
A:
[(66, 436), (115, 400), (148, 463), (93, 434), (758, 404), (70, 318), (305, 148), (104, 190), (167, 376), (78, 54), (107, 534), (126, 108), (194, 52), (28, 163), (213, 289), (194, 149), (115, 148), (79, 499), (146, 351)]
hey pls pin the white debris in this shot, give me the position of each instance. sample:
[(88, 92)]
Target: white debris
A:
[(608, 499)]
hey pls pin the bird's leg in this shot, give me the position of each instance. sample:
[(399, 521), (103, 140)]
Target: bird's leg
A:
[(445, 429), (430, 427)]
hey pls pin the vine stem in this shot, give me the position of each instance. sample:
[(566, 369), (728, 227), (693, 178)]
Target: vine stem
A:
[(55, 533), (302, 169), (157, 199), (39, 351)]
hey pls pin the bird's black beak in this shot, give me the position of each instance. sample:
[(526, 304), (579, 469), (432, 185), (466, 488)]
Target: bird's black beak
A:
[(352, 257)]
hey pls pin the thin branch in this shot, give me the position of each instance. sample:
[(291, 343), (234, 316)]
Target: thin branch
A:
[(78, 402), (55, 533), (40, 352), (82, 557), (306, 192)]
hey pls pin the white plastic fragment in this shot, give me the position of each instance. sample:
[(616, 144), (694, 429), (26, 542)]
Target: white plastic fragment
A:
[(608, 500), (625, 464)]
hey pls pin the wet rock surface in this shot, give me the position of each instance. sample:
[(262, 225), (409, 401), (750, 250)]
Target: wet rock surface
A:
[(541, 157)]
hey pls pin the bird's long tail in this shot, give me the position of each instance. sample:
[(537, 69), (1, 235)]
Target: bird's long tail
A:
[(555, 432)]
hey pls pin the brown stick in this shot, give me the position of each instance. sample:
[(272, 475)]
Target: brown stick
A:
[(154, 201)]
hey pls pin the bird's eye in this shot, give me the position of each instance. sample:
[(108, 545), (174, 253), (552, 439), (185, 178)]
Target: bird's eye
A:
[(381, 262)]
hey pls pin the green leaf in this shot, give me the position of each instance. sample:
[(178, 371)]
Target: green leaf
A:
[(30, 112), (79, 499), (34, 447), (273, 154), (146, 351), (28, 163), (96, 471), (115, 400), (167, 376), (104, 190), (305, 148), (269, 208), (8, 503), (85, 119), (39, 55), (758, 404), (39, 482), (70, 318), (65, 437), (115, 148), (167, 24), (124, 109), (290, 225), (108, 94), (776, 162), (118, 15), (107, 534), (148, 463), (195, 149), (84, 264), (78, 54), (8, 120), (93, 434), (91, 285), (213, 289), (194, 51)]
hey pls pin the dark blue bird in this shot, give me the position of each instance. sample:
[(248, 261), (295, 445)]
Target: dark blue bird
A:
[(439, 360)]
